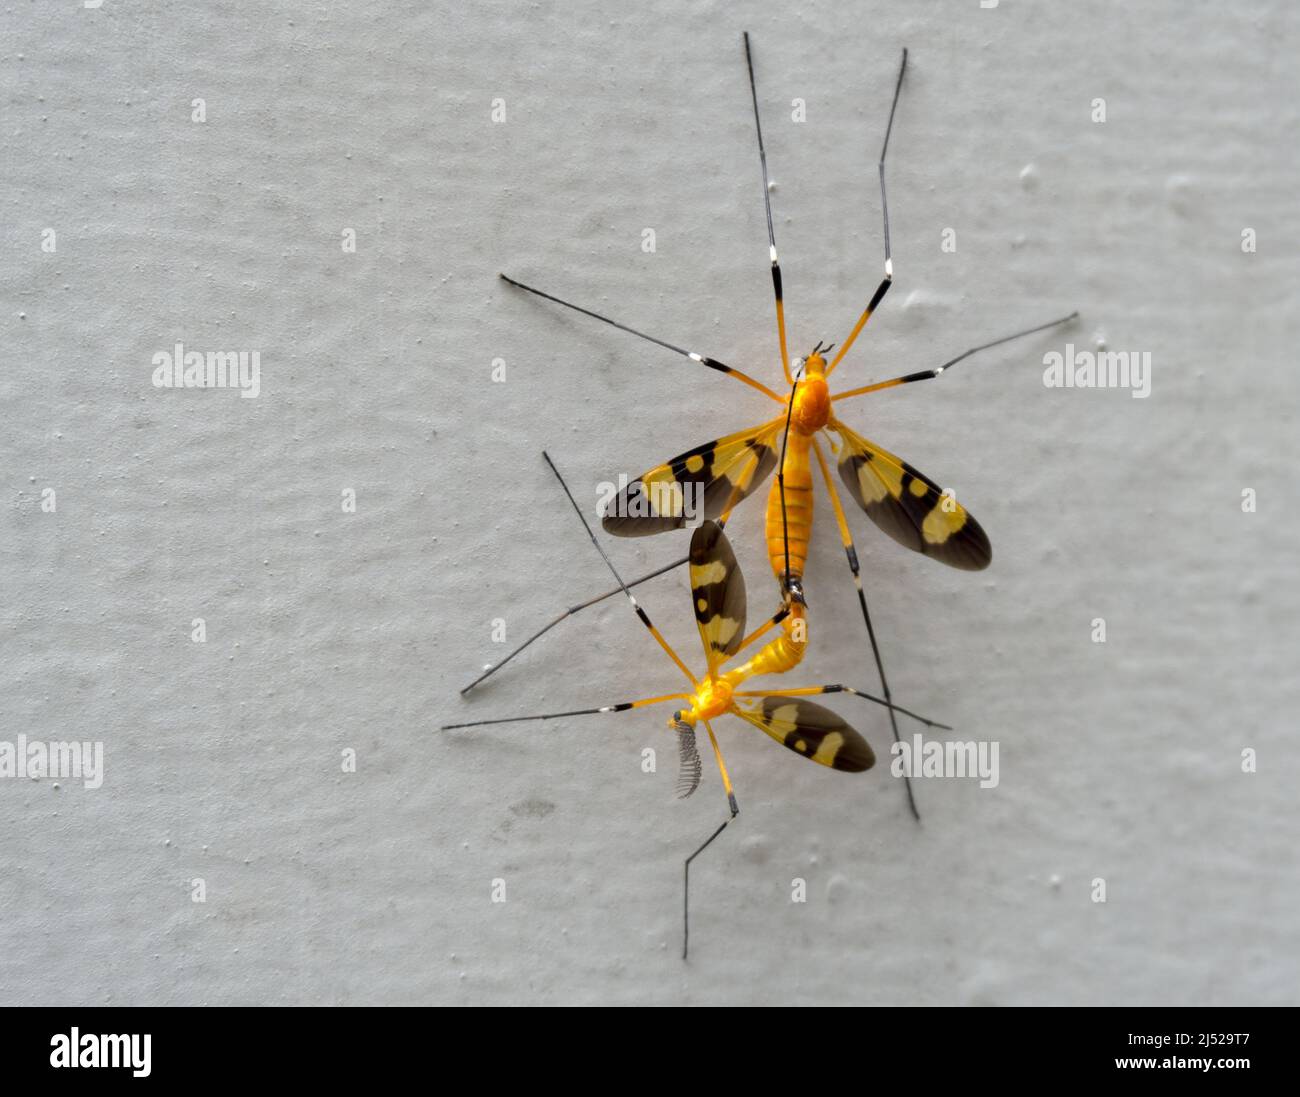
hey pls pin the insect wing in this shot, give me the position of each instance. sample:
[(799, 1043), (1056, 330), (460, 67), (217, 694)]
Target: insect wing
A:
[(812, 732), (718, 593), (909, 506), (725, 471)]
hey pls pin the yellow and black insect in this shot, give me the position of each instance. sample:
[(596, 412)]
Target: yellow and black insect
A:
[(719, 603), (903, 502)]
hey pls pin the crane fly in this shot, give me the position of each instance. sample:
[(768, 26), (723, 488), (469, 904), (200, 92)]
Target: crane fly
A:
[(901, 501)]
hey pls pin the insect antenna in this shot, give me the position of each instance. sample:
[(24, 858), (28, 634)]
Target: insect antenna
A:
[(691, 766)]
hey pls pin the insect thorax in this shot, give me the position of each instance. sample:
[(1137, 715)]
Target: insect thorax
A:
[(711, 700), (812, 405)]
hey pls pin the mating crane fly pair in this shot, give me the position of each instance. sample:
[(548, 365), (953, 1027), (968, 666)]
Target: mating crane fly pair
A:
[(907, 505)]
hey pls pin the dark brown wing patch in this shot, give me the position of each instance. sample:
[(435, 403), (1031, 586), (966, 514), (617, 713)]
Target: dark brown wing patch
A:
[(718, 475), (909, 506), (812, 732), (717, 593)]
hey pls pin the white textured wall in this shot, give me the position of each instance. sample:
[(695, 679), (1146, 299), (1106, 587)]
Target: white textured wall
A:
[(329, 631)]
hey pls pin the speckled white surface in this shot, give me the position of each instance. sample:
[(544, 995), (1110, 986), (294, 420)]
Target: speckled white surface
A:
[(329, 631)]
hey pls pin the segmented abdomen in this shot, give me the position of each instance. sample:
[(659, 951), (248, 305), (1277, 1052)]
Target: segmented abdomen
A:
[(783, 653), (798, 510)]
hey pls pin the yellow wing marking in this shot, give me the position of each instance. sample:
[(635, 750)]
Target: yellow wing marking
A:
[(811, 732), (717, 593), (909, 506), (718, 475)]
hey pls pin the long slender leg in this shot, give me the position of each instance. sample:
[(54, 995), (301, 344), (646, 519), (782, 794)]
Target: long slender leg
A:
[(623, 706), (569, 613), (722, 769), (813, 691), (888, 280), (686, 886), (722, 521), (767, 206), (926, 374), (641, 614), (851, 552), (703, 360), (686, 868), (762, 630)]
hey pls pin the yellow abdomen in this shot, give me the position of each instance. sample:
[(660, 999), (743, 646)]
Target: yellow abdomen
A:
[(797, 524), (780, 655)]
